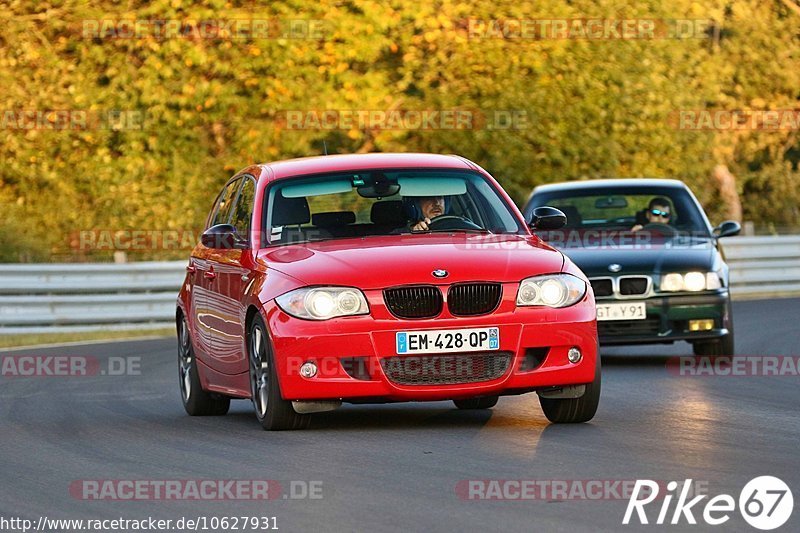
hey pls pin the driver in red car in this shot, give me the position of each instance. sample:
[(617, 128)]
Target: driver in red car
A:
[(428, 207), (658, 212)]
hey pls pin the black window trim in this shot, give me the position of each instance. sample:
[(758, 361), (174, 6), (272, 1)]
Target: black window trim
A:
[(243, 178)]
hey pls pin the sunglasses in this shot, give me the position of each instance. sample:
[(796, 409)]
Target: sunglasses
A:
[(659, 213)]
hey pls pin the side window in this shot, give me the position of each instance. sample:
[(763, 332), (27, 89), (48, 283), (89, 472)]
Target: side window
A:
[(243, 211), (223, 208)]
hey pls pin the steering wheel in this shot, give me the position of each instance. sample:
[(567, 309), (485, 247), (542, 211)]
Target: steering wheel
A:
[(451, 222), (658, 227)]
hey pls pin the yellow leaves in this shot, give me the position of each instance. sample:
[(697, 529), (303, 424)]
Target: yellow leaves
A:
[(254, 51)]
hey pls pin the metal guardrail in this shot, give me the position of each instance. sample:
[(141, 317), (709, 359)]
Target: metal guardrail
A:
[(763, 266), (54, 298)]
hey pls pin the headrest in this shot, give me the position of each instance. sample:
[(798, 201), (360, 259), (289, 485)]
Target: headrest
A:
[(333, 219), (290, 211), (388, 213)]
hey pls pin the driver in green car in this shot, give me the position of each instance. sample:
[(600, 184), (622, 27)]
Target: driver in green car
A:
[(658, 212), (427, 208)]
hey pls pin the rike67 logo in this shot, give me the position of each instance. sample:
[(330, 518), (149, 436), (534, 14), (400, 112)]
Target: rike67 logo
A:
[(765, 503)]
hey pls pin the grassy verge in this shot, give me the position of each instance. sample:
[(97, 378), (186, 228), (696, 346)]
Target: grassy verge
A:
[(31, 339)]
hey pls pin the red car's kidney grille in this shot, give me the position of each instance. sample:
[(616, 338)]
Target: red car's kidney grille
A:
[(468, 299), (446, 369), (423, 301)]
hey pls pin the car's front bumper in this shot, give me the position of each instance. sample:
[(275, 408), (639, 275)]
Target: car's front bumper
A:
[(668, 319), (543, 335)]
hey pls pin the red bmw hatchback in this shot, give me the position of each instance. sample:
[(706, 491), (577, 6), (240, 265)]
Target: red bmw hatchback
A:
[(379, 278)]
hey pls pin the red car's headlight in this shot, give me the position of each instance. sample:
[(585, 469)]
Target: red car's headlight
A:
[(323, 303), (552, 290)]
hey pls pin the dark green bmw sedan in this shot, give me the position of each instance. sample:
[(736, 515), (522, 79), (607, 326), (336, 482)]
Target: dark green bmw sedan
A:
[(654, 262)]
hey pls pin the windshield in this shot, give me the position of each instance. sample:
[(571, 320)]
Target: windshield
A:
[(667, 211), (363, 204)]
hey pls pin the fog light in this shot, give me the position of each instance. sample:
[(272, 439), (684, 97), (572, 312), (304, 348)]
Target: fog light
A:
[(308, 370), (701, 325), (574, 355)]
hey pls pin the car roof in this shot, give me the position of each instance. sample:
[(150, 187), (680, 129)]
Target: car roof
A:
[(617, 182), (359, 162)]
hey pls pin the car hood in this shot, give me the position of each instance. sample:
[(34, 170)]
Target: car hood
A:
[(652, 258), (377, 262)]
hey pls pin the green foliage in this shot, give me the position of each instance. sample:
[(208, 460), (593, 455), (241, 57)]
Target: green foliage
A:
[(593, 108)]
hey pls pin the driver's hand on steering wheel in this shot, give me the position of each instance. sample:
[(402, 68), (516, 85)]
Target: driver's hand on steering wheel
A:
[(422, 225), (637, 227)]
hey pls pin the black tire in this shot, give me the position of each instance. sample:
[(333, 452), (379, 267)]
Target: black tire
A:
[(721, 346), (486, 402), (272, 411), (196, 401), (574, 410)]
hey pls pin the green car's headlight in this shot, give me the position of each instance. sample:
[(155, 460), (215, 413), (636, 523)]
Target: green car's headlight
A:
[(552, 290), (322, 303), (690, 282)]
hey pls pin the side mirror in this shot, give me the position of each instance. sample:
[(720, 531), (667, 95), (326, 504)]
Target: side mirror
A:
[(222, 237), (727, 229), (547, 218)]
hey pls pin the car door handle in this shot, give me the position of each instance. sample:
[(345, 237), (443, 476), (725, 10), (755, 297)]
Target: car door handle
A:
[(210, 274)]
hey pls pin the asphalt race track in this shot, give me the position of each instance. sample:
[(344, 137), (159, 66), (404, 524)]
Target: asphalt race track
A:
[(404, 467)]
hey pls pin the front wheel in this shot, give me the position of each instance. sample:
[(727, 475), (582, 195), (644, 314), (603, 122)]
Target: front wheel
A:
[(477, 403), (196, 401), (721, 346), (574, 410), (272, 411)]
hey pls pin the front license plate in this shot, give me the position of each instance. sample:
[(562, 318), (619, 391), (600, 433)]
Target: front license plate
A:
[(448, 340), (621, 311)]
